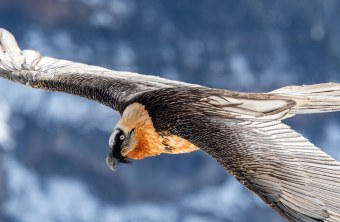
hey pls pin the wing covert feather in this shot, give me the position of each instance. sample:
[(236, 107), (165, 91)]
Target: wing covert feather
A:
[(243, 132), (111, 88), (290, 174)]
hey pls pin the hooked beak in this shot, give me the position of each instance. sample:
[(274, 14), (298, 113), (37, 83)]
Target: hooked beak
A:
[(114, 155), (111, 162)]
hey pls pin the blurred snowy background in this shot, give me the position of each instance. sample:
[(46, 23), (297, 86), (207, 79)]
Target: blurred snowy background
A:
[(53, 146)]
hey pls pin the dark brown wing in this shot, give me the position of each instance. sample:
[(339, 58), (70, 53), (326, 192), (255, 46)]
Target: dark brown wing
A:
[(289, 173), (243, 132), (111, 88)]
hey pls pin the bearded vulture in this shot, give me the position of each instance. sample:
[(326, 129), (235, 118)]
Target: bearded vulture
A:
[(242, 131)]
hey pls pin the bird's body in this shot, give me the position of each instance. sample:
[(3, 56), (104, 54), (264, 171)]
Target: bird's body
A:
[(242, 131)]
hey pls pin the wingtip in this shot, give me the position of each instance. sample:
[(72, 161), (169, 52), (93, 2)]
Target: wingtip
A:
[(2, 30), (6, 36), (10, 54)]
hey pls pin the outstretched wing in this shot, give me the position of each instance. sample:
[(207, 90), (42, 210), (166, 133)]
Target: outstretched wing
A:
[(111, 88), (289, 173), (276, 105), (243, 132)]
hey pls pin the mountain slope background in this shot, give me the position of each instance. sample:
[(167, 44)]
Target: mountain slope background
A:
[(53, 146)]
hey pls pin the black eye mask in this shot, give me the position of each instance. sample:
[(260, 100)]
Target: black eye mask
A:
[(117, 137)]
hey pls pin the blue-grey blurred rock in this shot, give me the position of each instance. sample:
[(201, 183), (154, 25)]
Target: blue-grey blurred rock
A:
[(53, 146)]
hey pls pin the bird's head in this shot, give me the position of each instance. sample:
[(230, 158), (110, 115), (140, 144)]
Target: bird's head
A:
[(118, 142), (134, 137)]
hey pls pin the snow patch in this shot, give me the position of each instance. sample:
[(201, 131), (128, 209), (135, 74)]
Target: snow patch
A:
[(61, 199), (241, 72), (68, 200), (110, 13), (30, 202), (223, 202), (124, 56), (6, 141)]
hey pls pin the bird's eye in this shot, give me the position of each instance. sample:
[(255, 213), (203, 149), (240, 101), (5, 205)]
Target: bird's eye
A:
[(122, 137)]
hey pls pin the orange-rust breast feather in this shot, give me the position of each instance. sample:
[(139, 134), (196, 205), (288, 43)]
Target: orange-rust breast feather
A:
[(177, 145), (147, 141)]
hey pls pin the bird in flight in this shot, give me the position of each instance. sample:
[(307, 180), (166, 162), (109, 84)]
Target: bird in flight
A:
[(242, 131)]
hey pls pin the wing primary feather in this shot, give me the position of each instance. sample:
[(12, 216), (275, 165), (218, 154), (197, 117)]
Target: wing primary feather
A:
[(243, 131), (111, 88)]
